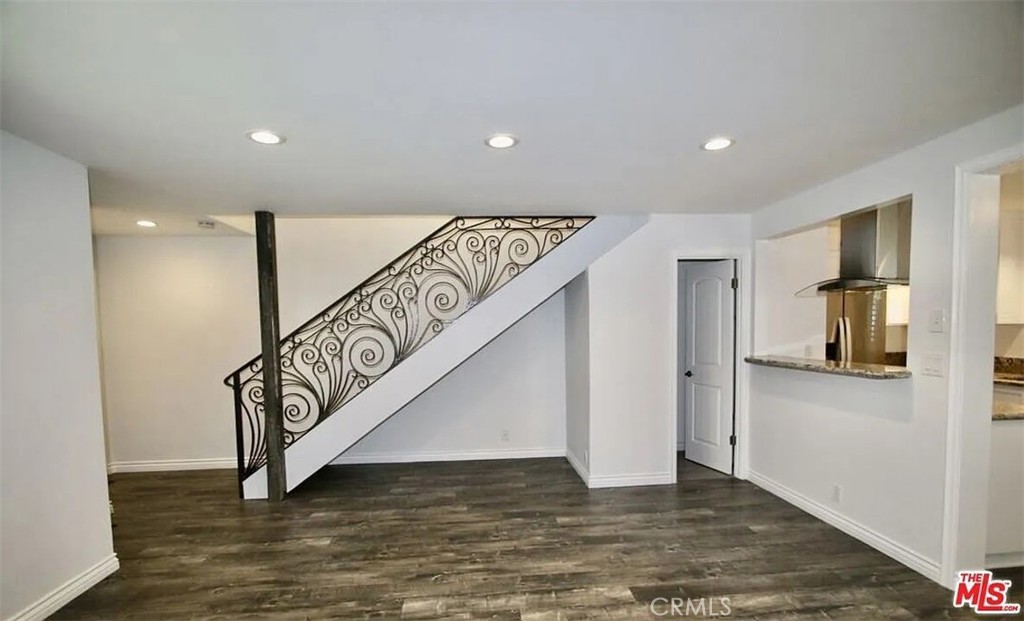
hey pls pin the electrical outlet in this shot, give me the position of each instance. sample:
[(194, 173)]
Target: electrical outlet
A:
[(837, 494), (504, 435), (937, 320), (933, 365)]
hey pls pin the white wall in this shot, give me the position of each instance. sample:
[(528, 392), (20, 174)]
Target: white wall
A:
[(321, 259), (180, 313), (507, 401), (787, 325), (883, 442), (1010, 341), (177, 314), (55, 523), (577, 375), (632, 321)]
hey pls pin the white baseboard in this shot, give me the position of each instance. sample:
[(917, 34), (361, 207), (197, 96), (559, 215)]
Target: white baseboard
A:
[(923, 565), (630, 480), (59, 597), (424, 456), (578, 465), (164, 465), (1005, 559)]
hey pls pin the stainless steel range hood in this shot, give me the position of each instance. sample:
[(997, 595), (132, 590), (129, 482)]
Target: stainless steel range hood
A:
[(874, 251)]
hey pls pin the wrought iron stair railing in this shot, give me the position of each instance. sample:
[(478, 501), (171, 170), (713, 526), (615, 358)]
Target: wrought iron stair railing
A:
[(349, 345)]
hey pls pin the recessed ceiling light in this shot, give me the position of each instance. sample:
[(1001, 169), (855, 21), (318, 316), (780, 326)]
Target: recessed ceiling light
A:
[(146, 224), (265, 136), (717, 144), (501, 141)]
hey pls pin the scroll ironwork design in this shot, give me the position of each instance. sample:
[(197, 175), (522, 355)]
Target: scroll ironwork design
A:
[(345, 348)]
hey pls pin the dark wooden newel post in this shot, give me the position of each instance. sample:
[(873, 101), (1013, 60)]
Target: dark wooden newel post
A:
[(270, 332)]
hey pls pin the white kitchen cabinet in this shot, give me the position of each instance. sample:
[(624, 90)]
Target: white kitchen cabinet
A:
[(1010, 296), (1005, 546)]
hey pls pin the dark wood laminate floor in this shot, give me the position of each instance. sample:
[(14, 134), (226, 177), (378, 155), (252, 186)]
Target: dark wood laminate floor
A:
[(504, 540)]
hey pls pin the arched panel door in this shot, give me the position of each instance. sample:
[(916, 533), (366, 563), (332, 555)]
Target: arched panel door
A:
[(709, 364)]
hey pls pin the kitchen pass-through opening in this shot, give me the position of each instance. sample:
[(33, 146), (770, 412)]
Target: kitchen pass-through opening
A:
[(706, 364)]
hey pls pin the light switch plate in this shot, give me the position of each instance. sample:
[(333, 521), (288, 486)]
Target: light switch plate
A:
[(933, 365), (937, 320)]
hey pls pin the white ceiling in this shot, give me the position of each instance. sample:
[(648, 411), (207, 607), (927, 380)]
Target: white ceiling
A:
[(121, 221), (386, 105)]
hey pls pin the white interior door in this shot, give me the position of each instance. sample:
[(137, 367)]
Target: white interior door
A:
[(708, 367)]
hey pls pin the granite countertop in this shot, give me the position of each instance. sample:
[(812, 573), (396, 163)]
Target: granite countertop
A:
[(1009, 379), (831, 367), (1007, 410)]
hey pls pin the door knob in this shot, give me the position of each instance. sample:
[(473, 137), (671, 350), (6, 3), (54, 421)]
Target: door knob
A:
[(688, 374)]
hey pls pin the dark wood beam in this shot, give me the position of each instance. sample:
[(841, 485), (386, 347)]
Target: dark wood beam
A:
[(270, 334)]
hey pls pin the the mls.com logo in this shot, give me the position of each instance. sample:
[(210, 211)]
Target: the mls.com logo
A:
[(983, 593)]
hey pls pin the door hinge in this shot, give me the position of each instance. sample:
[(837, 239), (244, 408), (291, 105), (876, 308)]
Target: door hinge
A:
[(732, 440), (735, 283)]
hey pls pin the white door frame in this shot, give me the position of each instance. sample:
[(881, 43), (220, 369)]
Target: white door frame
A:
[(971, 323), (691, 272), (744, 324)]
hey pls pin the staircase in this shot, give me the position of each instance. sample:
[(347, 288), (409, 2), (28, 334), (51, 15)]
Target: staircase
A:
[(349, 368)]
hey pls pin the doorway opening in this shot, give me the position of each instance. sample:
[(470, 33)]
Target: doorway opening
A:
[(706, 364), (1005, 533), (972, 532)]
